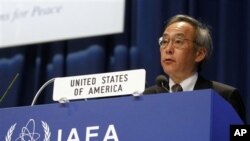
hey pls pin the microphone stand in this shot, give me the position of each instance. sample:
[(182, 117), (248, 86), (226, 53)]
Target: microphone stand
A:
[(40, 90), (7, 90)]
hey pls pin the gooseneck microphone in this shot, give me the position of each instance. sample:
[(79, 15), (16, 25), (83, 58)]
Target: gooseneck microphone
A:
[(162, 82), (40, 90), (9, 87)]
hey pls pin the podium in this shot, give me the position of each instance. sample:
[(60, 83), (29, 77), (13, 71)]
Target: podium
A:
[(200, 115)]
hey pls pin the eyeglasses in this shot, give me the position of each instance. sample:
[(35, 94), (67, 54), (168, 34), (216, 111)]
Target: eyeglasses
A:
[(177, 42)]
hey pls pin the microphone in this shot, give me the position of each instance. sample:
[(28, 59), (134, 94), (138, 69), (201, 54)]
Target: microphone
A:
[(162, 82), (40, 90), (7, 90)]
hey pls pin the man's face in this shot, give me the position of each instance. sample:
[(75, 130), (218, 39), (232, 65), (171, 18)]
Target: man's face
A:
[(179, 58)]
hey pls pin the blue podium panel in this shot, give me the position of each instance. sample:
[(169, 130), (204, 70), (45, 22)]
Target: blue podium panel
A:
[(187, 116)]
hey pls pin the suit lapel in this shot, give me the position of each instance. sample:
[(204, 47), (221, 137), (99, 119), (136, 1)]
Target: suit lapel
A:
[(202, 83)]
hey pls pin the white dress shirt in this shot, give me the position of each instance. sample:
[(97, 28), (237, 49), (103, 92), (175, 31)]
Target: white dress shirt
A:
[(187, 84)]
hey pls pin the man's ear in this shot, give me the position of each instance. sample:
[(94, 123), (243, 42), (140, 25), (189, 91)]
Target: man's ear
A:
[(200, 54)]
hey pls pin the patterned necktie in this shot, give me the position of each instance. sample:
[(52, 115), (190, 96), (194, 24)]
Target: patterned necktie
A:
[(176, 88)]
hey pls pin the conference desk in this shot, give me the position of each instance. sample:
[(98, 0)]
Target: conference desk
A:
[(200, 115)]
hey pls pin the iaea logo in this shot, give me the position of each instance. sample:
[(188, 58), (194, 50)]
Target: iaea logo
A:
[(28, 132)]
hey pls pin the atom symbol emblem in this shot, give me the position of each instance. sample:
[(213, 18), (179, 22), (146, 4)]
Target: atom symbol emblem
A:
[(28, 132)]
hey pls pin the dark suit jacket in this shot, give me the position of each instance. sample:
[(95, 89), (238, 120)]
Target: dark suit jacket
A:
[(229, 93)]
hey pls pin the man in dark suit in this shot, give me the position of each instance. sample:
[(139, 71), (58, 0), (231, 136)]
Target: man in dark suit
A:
[(185, 46)]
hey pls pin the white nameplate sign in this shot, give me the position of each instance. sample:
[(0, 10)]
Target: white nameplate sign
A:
[(99, 85)]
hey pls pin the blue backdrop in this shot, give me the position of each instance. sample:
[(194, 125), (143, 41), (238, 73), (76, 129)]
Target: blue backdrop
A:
[(136, 48)]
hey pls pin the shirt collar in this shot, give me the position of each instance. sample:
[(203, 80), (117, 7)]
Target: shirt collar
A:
[(187, 84)]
